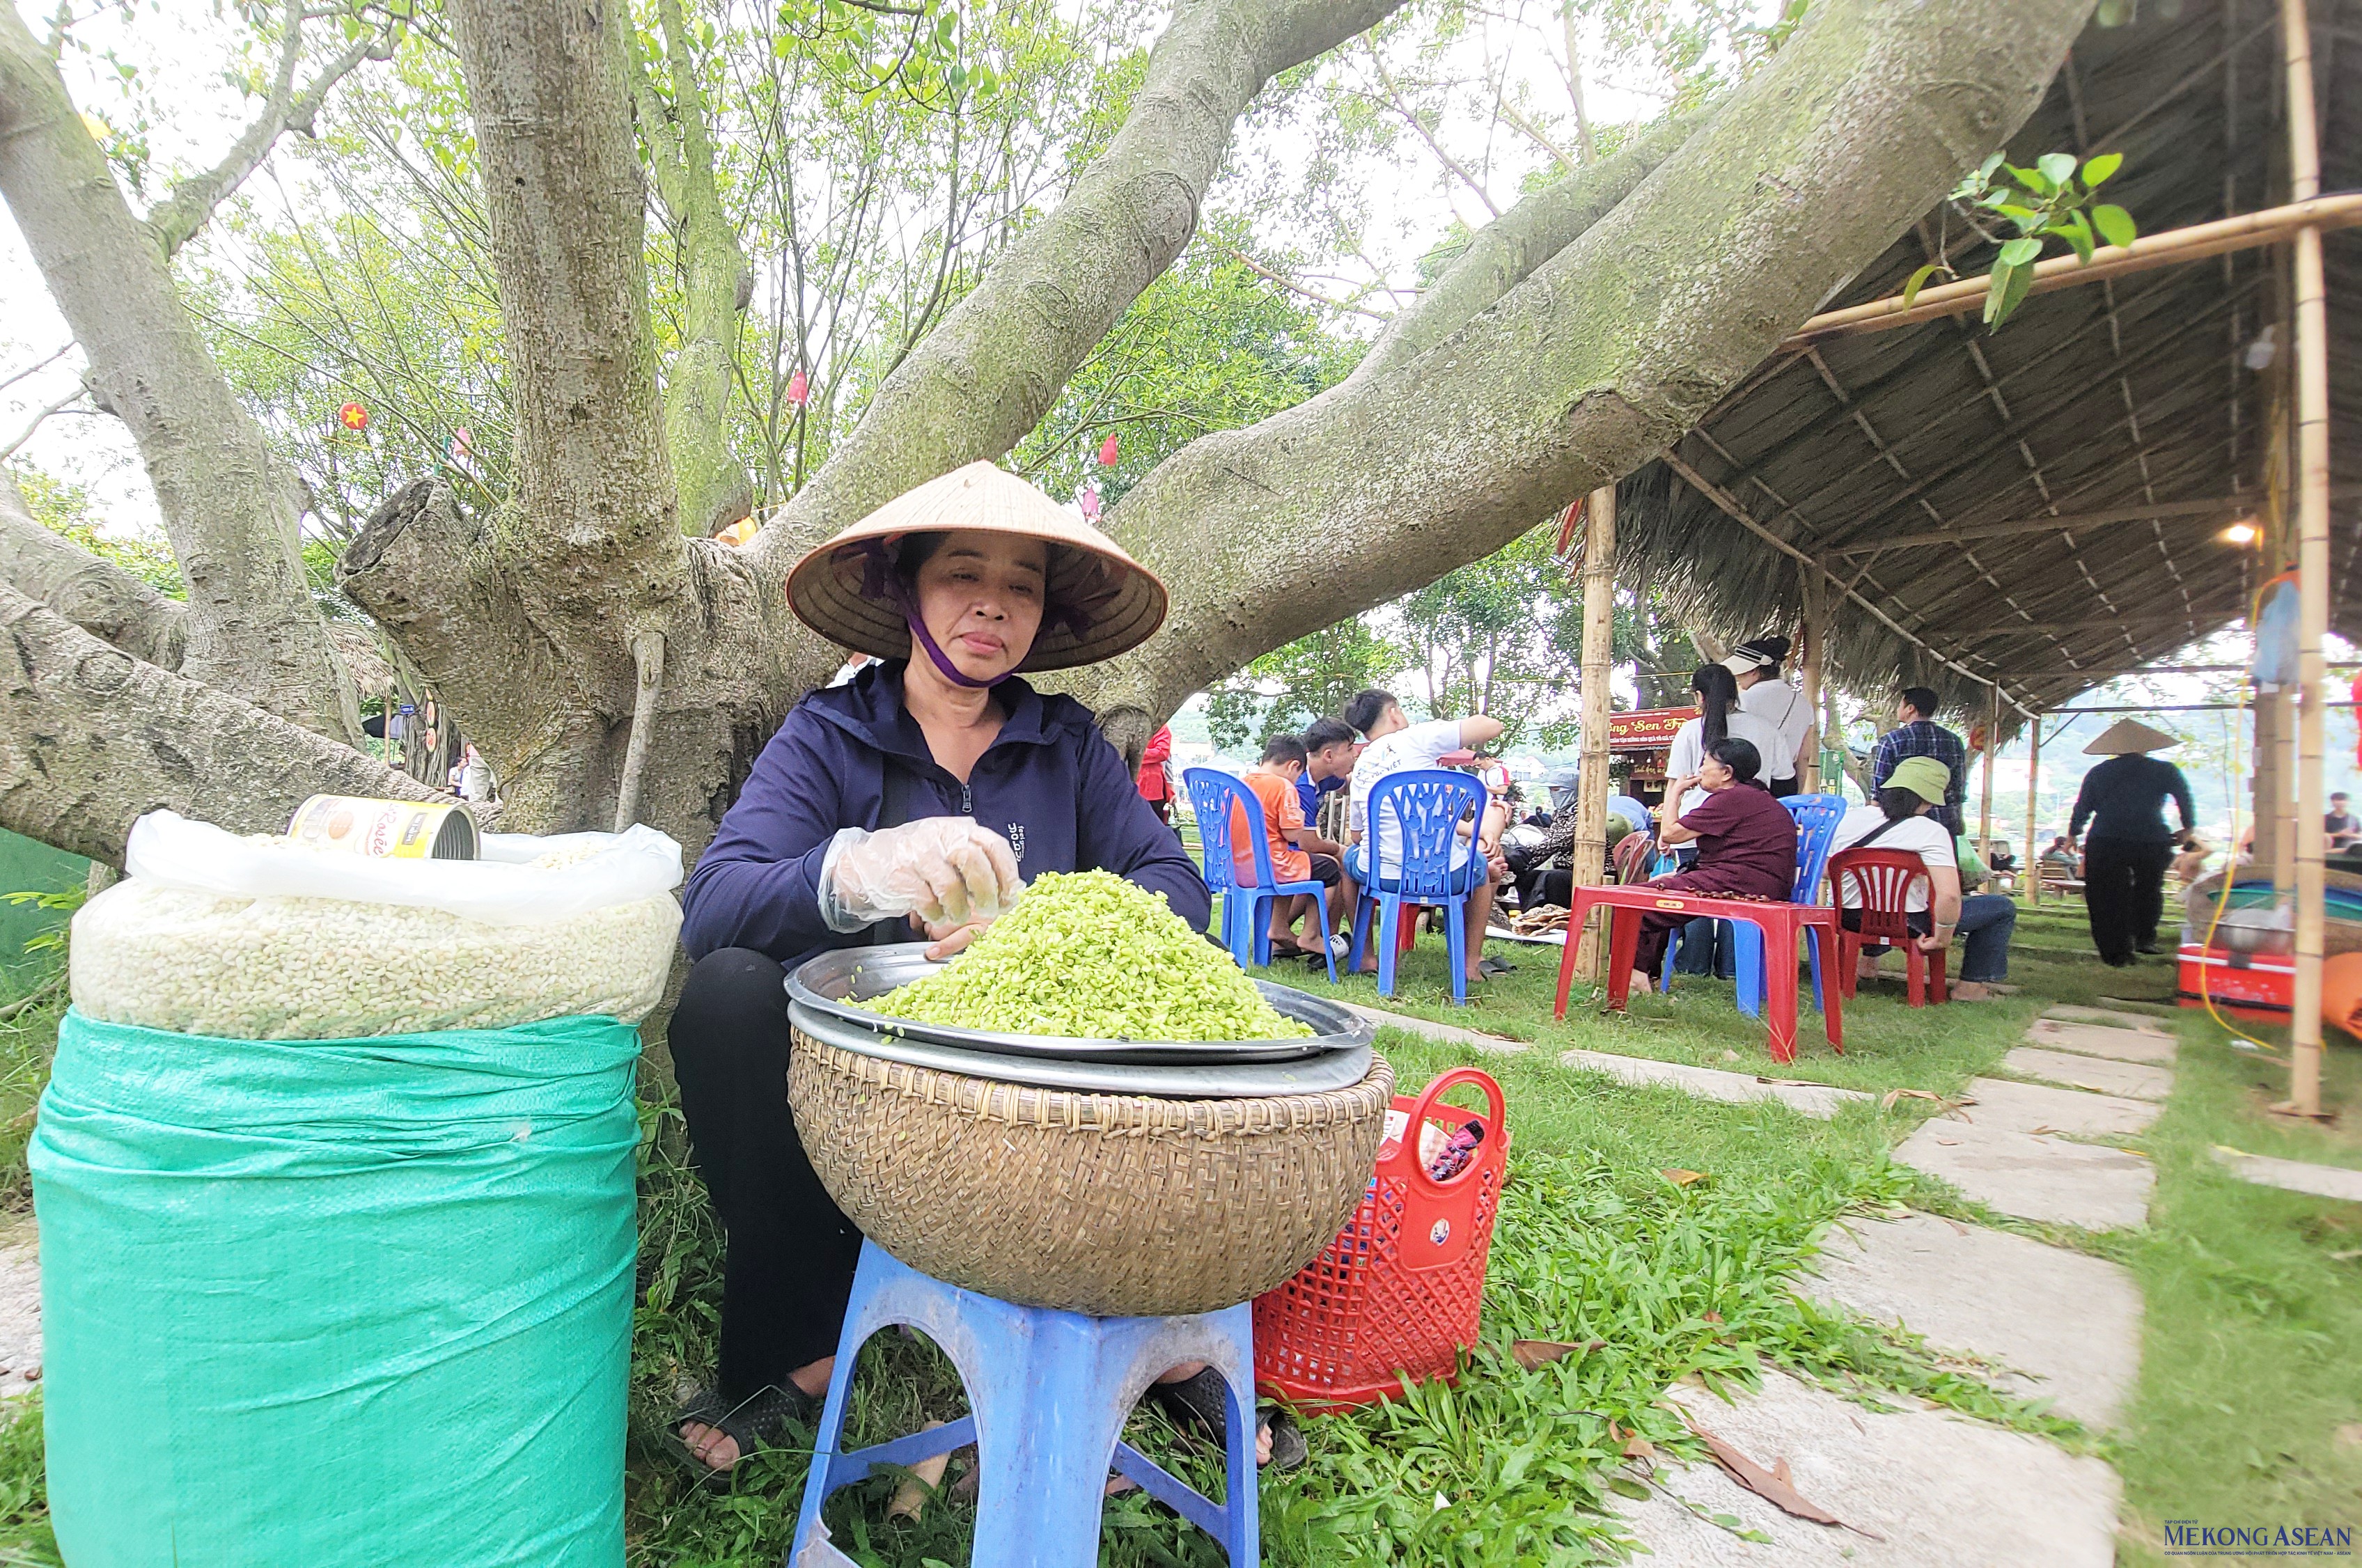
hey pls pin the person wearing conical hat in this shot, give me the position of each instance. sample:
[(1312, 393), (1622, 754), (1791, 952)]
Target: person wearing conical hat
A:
[(915, 797), (2129, 847)]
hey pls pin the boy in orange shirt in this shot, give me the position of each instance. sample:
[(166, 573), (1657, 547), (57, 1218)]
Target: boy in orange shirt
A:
[(1272, 779)]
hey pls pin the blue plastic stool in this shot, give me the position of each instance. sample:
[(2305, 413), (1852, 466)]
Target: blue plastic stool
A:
[(1049, 1391)]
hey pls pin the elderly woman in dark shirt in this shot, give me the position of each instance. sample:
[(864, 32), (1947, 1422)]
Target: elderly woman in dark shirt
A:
[(1747, 843)]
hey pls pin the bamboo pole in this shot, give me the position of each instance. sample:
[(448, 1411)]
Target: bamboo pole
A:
[(1590, 850), (1816, 630), (2033, 858), (2271, 226), (1993, 745), (2312, 565)]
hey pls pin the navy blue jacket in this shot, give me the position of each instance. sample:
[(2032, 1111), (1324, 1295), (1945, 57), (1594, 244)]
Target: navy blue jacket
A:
[(851, 757)]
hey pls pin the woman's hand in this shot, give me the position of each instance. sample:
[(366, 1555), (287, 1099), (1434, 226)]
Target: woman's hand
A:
[(948, 872)]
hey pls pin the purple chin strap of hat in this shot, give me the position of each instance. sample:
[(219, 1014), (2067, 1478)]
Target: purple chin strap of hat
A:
[(1075, 615)]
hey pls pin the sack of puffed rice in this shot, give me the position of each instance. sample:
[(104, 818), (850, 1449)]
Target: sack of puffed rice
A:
[(267, 939)]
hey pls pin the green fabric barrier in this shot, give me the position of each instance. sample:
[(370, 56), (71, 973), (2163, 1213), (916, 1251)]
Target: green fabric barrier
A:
[(329, 1302)]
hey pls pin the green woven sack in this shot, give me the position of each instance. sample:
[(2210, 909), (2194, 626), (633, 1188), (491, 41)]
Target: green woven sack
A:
[(330, 1302)]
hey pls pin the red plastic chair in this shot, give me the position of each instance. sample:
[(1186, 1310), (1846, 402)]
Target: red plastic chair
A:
[(1878, 884)]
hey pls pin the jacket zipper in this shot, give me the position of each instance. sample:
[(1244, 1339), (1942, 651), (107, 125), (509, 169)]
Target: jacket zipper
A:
[(968, 802)]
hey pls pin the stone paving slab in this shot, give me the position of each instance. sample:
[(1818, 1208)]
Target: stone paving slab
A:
[(2065, 1324), (20, 1307), (1498, 1045), (2035, 1108), (2099, 1040), (2136, 1081), (2295, 1175), (2107, 1015), (2033, 1176), (1942, 1492), (1710, 1083)]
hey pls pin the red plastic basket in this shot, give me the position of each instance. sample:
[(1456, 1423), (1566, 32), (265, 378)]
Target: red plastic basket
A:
[(1398, 1293)]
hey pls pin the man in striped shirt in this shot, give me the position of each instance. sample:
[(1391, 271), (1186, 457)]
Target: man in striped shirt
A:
[(1916, 734)]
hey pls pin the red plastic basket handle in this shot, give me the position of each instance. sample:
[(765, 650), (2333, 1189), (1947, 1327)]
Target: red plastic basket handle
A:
[(1496, 1124)]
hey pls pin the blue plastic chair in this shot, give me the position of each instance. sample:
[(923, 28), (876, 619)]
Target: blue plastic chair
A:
[(1427, 804), (1245, 930), (1817, 828), (1048, 1392)]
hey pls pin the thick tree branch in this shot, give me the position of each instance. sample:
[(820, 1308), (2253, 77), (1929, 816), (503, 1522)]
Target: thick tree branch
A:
[(98, 596), (91, 738), (997, 363), (595, 548), (176, 220), (713, 486), (435, 580), (227, 504), (1600, 358), (1505, 253)]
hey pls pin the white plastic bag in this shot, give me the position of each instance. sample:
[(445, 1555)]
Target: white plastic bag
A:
[(168, 850), (212, 934)]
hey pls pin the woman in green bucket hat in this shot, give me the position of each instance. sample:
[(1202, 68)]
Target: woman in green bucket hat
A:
[(1938, 913)]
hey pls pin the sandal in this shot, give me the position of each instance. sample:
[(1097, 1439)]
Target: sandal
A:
[(752, 1424), (1494, 966), (1202, 1403)]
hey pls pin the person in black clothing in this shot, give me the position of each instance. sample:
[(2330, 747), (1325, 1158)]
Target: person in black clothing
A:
[(2126, 855)]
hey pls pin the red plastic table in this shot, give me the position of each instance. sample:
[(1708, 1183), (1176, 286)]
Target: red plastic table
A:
[(1780, 925)]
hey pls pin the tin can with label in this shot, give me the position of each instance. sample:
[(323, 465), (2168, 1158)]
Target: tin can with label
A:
[(399, 830)]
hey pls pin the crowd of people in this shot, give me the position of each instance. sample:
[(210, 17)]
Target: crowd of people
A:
[(1720, 830)]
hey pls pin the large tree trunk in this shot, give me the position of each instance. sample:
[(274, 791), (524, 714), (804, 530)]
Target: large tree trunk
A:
[(98, 596), (229, 506), (91, 738), (1591, 362)]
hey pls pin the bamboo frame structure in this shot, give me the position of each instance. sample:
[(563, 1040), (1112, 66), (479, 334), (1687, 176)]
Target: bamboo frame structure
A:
[(2032, 860), (2272, 226), (2313, 563), (1590, 850), (1993, 745), (1816, 621)]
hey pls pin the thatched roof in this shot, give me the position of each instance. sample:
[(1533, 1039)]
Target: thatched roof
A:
[(356, 645), (2101, 398)]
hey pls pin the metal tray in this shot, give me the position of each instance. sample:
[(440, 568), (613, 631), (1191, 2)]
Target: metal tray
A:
[(1334, 1069), (823, 985)]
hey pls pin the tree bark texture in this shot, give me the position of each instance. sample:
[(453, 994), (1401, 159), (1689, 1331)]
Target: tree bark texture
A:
[(228, 506), (1593, 362), (98, 596), (91, 738), (593, 539), (984, 377), (710, 483)]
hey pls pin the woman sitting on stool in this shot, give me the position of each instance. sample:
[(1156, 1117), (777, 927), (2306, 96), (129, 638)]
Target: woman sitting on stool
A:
[(1746, 840)]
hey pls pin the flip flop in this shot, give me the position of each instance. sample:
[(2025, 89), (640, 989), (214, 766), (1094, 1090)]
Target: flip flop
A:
[(752, 1423), (1494, 966), (1202, 1404)]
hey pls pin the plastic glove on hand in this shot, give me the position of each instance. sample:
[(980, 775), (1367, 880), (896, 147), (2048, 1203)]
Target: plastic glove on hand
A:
[(948, 871)]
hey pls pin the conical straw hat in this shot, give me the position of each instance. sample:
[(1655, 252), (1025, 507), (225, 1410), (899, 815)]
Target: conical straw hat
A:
[(1099, 600), (2129, 736)]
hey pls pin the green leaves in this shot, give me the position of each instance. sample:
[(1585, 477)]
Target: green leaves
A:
[(1919, 280), (2053, 199)]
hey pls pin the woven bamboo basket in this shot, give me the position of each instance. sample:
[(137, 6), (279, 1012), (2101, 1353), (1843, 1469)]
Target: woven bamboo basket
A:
[(1110, 1205)]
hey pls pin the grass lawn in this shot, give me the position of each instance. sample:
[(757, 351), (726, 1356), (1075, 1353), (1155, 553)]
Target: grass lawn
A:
[(2249, 1405)]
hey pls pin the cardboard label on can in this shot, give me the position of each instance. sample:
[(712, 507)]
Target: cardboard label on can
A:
[(399, 830)]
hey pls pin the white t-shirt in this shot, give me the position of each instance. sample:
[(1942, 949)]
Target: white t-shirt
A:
[(1782, 707), (1689, 750), (1417, 746), (1923, 836)]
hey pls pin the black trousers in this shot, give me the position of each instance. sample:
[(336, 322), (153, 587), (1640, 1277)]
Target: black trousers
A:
[(2124, 894), (1782, 788), (791, 1250)]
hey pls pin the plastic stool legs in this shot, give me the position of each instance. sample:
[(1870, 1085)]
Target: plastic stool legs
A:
[(1050, 1391)]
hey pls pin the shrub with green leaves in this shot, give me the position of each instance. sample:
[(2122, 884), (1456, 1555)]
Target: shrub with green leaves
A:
[(1090, 955)]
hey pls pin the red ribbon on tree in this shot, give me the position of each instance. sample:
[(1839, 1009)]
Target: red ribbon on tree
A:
[(800, 388), (1107, 451)]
